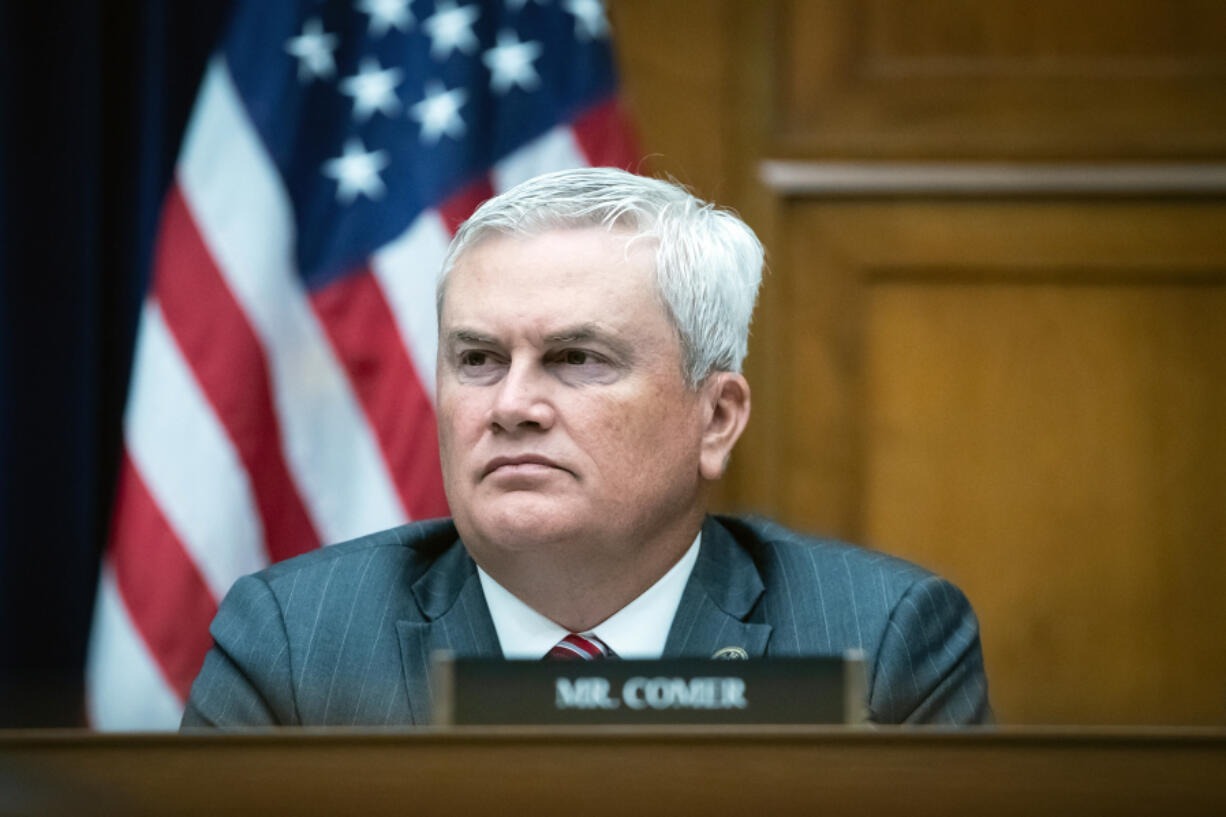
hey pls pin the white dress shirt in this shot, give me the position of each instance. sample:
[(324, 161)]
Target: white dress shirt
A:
[(638, 630)]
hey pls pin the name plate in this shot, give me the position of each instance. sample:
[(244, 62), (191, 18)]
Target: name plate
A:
[(669, 691)]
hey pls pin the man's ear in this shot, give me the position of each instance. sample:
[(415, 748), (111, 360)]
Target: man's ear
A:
[(726, 411)]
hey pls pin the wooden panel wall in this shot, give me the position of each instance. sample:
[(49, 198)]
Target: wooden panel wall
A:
[(996, 78), (1025, 392), (1030, 401)]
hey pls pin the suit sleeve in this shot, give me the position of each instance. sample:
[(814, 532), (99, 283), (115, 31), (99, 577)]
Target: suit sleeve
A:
[(246, 678), (929, 666)]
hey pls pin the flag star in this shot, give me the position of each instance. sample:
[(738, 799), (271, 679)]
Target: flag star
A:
[(373, 89), (385, 14), (590, 22), (439, 112), (510, 63), (313, 49), (357, 172), (451, 28)]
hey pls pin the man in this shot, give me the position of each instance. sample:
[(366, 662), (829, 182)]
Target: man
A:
[(592, 325)]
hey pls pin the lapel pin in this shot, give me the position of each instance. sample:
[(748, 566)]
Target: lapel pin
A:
[(730, 654)]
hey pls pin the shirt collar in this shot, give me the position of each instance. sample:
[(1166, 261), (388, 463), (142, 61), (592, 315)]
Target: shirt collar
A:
[(638, 630)]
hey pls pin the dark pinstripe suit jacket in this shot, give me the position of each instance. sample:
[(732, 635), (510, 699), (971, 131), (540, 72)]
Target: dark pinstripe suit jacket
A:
[(343, 635)]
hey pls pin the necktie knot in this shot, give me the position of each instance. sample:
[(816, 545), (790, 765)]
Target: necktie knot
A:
[(580, 648)]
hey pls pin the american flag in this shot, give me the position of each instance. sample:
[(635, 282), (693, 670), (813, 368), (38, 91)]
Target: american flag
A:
[(282, 389)]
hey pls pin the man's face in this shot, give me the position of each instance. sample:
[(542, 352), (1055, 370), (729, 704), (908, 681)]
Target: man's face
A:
[(564, 418)]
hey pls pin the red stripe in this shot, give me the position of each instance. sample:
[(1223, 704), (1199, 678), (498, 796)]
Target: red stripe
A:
[(461, 205), (167, 598), (580, 643), (227, 359), (577, 647), (606, 137), (363, 331)]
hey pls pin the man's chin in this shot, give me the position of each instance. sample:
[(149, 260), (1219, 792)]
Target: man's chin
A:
[(528, 521)]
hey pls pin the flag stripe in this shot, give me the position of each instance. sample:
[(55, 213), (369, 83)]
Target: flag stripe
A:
[(407, 270), (167, 599), (228, 361), (179, 446), (363, 332), (557, 149), (244, 216), (460, 205), (126, 686), (606, 137)]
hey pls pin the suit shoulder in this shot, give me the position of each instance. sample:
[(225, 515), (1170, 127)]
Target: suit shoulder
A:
[(414, 546), (769, 541)]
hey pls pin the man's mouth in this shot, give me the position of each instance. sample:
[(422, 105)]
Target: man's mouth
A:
[(521, 464)]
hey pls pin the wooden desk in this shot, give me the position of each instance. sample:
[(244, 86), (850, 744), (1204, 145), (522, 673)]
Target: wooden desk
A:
[(741, 771)]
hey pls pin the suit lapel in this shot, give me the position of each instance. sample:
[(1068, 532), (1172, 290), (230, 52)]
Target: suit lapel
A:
[(455, 619), (721, 593)]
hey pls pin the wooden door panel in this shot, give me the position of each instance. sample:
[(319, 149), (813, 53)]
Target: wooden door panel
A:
[(1060, 448)]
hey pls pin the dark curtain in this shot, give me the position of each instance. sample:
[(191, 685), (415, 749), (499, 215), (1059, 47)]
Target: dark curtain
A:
[(94, 97)]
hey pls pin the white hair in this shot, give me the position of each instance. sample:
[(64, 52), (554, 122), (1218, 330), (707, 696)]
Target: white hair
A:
[(708, 262)]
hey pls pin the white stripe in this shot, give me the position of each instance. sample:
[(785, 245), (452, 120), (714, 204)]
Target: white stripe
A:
[(407, 270), (556, 150), (124, 690), (244, 214), (188, 462)]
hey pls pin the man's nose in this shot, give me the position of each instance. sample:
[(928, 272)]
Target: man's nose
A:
[(522, 400)]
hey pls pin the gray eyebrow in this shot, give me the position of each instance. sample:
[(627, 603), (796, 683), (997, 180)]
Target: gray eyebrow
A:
[(586, 332), (577, 334), (470, 336)]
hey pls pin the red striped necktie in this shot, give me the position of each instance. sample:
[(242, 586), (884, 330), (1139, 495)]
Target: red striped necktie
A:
[(580, 648)]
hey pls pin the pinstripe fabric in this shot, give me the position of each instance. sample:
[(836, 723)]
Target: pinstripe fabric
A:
[(343, 636), (918, 632)]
